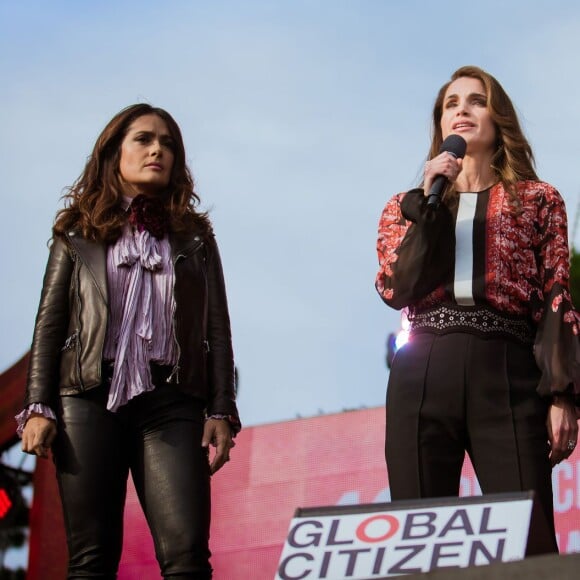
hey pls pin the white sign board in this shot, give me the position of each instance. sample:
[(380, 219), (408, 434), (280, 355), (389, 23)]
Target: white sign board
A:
[(394, 542)]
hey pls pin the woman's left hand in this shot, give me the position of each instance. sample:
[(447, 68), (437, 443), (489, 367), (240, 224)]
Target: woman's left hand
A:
[(562, 429), (217, 432)]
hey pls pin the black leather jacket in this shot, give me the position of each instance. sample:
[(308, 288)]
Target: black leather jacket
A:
[(67, 347)]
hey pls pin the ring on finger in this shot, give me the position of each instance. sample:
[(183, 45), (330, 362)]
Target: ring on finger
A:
[(571, 445)]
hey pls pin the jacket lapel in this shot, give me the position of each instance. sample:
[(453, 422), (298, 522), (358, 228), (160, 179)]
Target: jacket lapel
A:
[(94, 257)]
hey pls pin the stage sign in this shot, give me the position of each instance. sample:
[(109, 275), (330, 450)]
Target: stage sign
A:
[(393, 539)]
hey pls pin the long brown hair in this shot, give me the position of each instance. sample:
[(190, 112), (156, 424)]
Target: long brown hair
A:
[(513, 159), (93, 203)]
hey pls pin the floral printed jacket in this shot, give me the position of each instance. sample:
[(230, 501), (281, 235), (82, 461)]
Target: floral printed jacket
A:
[(520, 267)]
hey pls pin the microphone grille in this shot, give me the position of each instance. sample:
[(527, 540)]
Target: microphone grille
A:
[(454, 144)]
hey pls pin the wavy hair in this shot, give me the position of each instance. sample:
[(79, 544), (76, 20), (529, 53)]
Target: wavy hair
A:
[(93, 203), (513, 159)]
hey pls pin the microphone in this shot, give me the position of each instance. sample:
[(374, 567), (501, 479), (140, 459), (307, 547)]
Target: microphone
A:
[(456, 145)]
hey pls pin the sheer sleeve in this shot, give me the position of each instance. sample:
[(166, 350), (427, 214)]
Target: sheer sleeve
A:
[(415, 249), (24, 415), (557, 344)]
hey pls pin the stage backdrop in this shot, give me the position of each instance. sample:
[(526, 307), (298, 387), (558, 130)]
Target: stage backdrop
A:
[(325, 460)]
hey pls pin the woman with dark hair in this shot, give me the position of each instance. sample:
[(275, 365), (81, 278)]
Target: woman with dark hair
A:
[(492, 366), (131, 364)]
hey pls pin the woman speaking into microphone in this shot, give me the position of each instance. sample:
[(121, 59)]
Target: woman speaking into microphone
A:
[(492, 366)]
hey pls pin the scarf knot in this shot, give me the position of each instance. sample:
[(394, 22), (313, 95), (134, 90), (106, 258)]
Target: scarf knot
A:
[(149, 213)]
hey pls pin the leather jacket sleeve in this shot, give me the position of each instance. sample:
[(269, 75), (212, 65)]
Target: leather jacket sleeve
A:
[(50, 327), (220, 363)]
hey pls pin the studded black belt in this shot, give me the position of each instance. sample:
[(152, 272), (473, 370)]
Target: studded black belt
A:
[(479, 320)]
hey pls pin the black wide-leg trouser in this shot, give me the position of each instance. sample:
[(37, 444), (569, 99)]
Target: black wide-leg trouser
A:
[(457, 392), (157, 437)]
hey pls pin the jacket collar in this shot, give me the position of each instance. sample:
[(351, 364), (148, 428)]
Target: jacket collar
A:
[(183, 245)]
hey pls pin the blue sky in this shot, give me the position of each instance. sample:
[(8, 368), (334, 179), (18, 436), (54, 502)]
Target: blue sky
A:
[(300, 120)]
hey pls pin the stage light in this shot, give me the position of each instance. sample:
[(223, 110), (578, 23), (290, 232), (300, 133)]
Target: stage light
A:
[(398, 340), (401, 339), (5, 503)]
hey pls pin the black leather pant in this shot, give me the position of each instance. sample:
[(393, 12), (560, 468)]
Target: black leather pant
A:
[(157, 436)]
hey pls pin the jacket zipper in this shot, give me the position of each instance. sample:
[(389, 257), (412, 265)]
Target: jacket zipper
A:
[(175, 370), (79, 347), (70, 341)]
